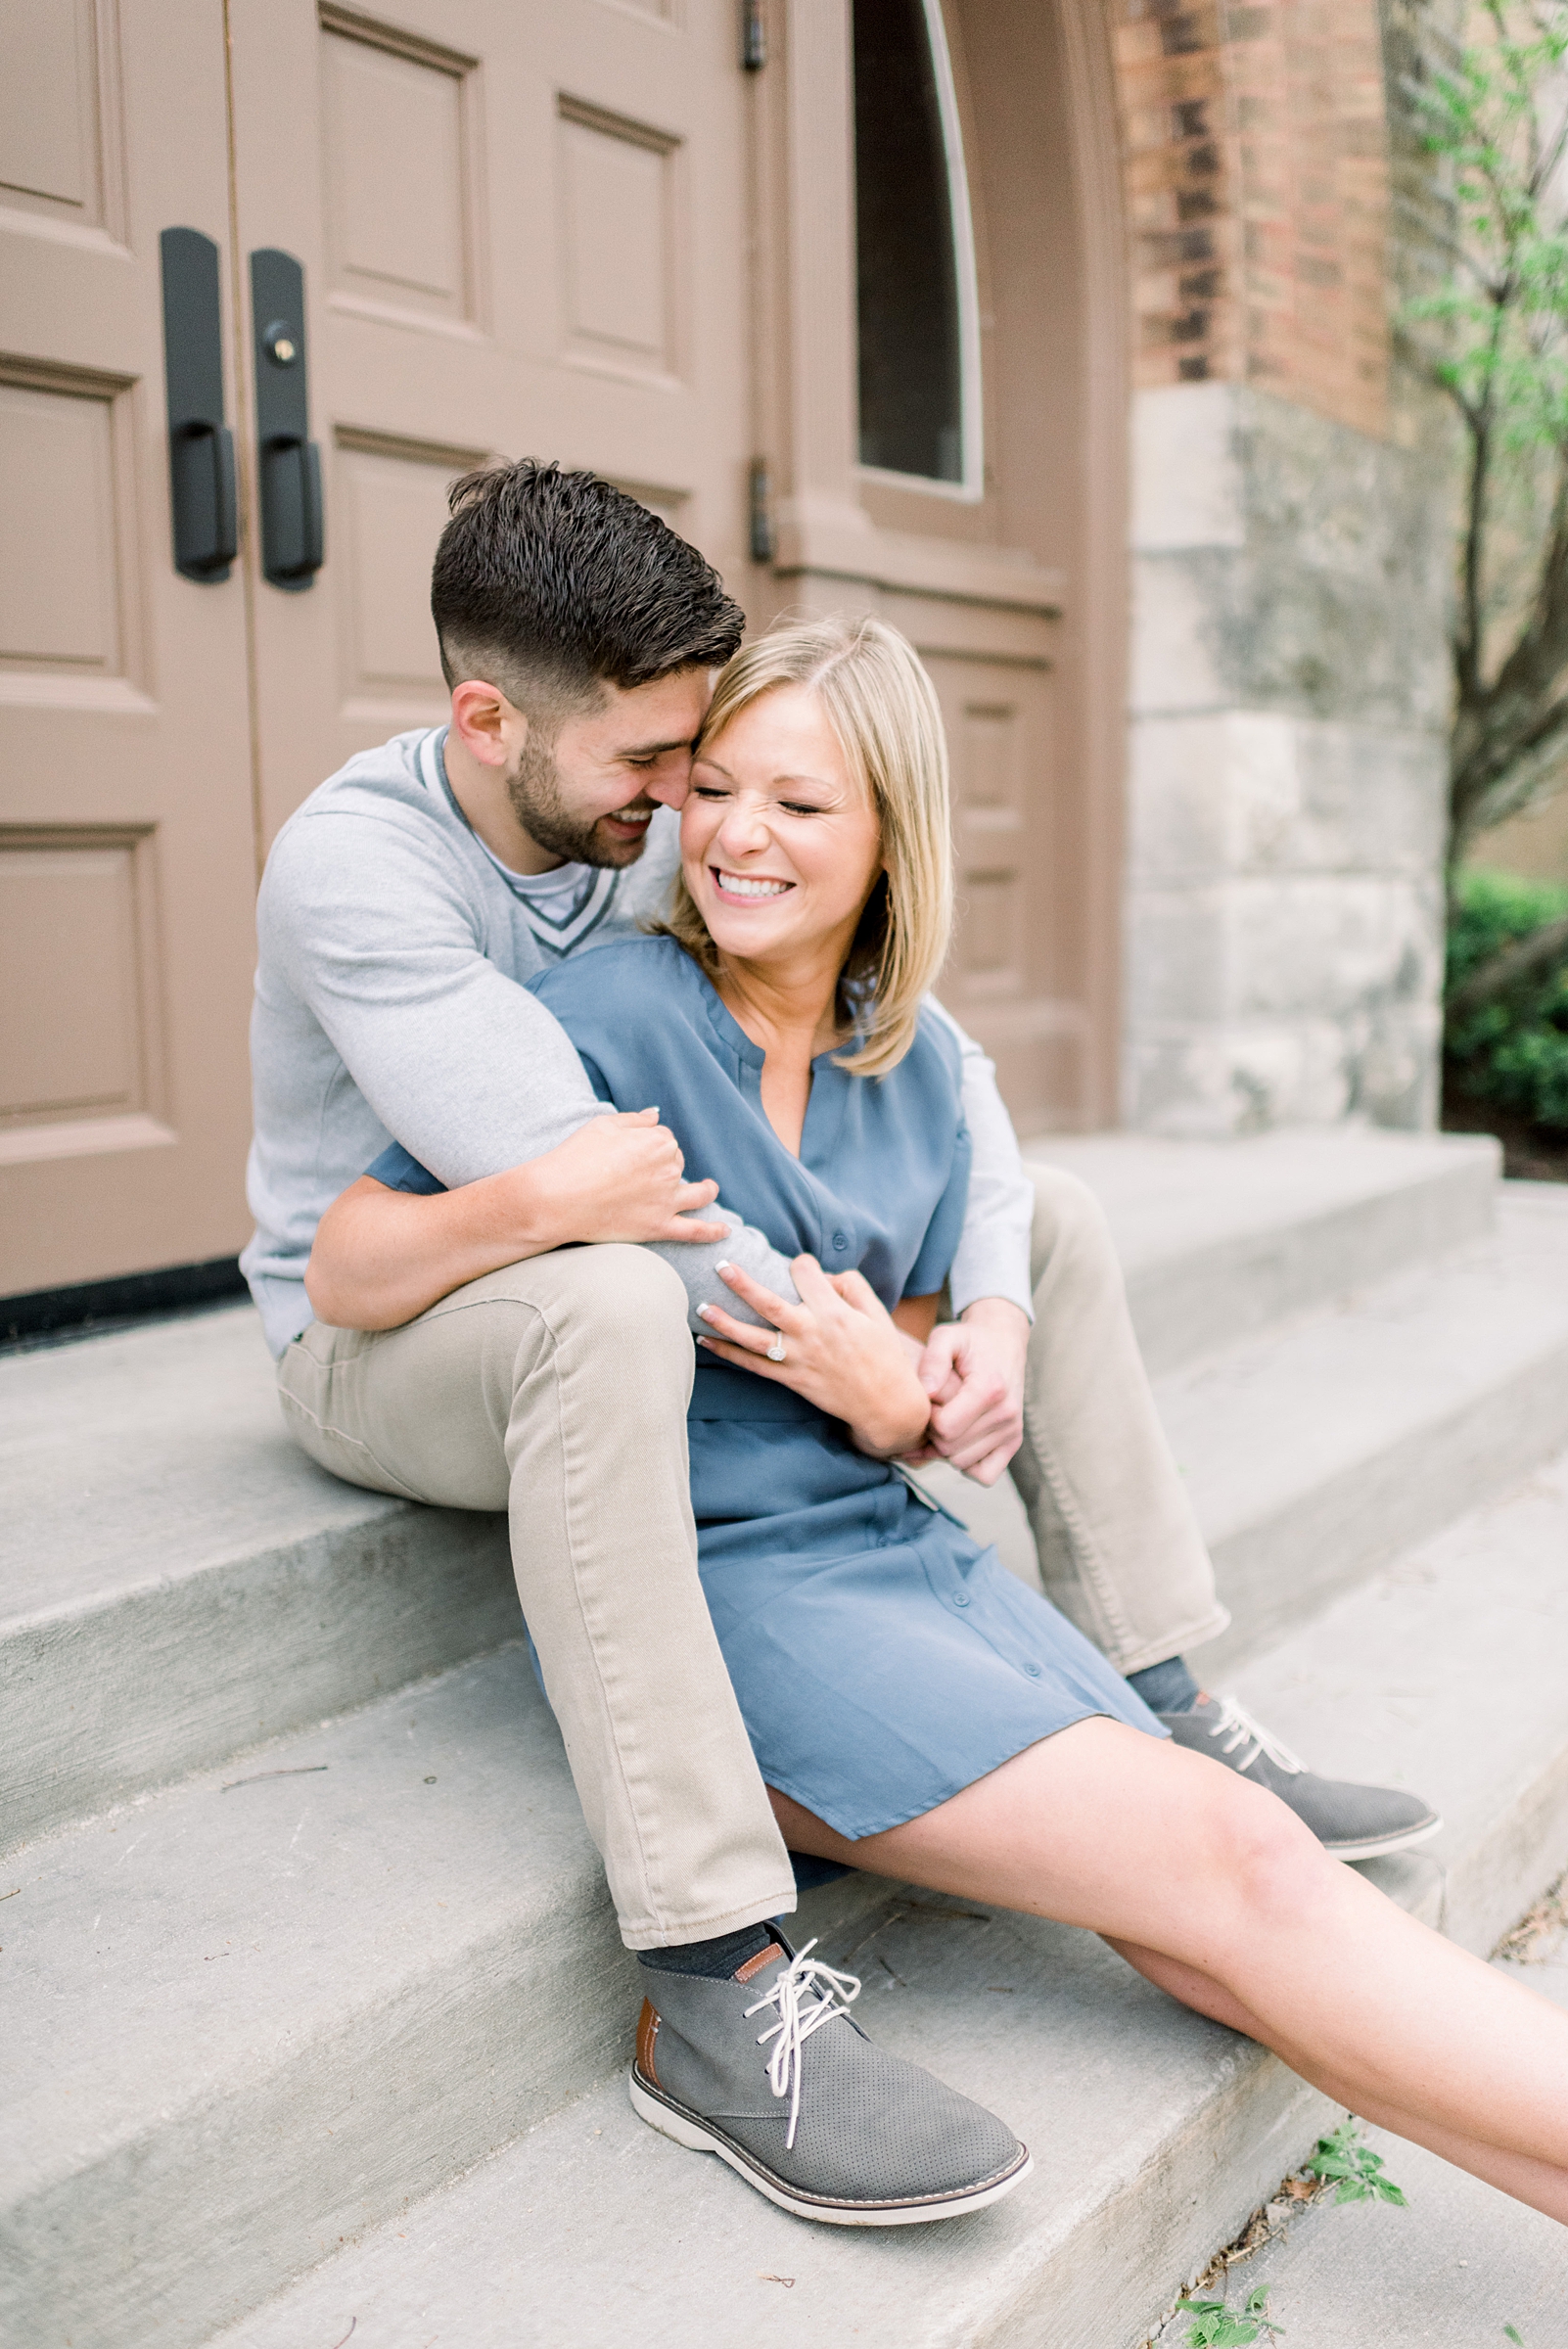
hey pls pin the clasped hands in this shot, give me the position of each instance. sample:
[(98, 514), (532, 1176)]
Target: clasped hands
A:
[(957, 1398)]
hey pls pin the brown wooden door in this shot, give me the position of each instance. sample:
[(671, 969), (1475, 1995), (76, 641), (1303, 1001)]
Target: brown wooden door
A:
[(126, 849), (522, 228)]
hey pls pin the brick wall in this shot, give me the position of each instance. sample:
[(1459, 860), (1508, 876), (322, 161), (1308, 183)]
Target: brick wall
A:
[(1258, 197)]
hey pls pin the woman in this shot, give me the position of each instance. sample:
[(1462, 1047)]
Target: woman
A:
[(916, 1712)]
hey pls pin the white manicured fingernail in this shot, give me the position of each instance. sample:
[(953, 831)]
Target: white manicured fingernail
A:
[(706, 1312), (723, 1265)]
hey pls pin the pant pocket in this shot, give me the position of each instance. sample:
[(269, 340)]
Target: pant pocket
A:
[(328, 1444)]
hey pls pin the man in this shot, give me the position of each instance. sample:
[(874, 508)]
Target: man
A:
[(403, 908)]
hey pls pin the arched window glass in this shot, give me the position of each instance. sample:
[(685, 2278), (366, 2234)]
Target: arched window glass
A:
[(919, 398)]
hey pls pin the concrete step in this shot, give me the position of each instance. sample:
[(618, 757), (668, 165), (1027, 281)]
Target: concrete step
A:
[(1453, 2268), (1219, 1239), (1448, 2272), (298, 2006), (299, 1990), (1153, 2134), (1316, 1448), (178, 1581)]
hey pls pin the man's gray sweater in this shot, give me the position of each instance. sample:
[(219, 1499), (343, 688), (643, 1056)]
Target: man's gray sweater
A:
[(391, 1005)]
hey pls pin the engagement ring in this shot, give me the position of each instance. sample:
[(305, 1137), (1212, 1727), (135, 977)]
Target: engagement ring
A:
[(776, 1351)]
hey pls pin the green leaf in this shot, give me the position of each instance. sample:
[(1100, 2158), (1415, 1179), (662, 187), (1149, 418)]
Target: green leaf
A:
[(1357, 2169), (1218, 2329), (1514, 2334)]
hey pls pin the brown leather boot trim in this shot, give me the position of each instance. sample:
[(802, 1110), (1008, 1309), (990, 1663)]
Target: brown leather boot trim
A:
[(771, 1956), (647, 2033)]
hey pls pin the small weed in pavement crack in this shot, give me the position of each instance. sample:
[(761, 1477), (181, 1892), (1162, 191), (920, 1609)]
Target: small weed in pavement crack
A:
[(1218, 2329), (1539, 1929), (1353, 2169), (1336, 2162)]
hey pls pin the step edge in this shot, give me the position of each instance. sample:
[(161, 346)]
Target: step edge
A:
[(152, 1584)]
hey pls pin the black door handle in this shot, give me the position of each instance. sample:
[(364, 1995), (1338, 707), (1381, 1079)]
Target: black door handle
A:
[(288, 460), (200, 447)]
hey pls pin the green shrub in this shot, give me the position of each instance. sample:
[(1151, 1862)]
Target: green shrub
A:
[(1514, 1052)]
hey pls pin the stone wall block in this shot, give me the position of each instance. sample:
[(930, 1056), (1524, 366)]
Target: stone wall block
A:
[(1372, 799), (1287, 768), (1174, 640), (1204, 789), (1213, 795), (1218, 1083), (1336, 943), (1180, 957), (1188, 483), (1307, 563), (1299, 998)]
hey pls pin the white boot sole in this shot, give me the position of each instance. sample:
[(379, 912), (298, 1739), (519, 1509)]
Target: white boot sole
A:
[(685, 2132), (1387, 1846)]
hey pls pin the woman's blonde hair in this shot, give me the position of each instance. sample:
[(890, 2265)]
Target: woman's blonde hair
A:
[(882, 709)]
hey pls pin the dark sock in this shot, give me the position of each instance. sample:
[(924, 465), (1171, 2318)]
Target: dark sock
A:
[(718, 1958), (1167, 1688)]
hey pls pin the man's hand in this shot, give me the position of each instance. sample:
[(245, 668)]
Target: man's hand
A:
[(617, 1179), (973, 1371)]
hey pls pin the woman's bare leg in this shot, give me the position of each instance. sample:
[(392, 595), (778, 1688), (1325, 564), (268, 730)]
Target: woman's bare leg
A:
[(1536, 2183), (1173, 1857)]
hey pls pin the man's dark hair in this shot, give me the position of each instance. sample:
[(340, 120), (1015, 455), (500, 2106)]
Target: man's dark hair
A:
[(548, 582)]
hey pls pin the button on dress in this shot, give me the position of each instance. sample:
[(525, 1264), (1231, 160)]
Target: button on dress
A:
[(883, 1659)]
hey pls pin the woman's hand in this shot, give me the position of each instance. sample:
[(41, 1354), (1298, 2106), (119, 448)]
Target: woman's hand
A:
[(841, 1351)]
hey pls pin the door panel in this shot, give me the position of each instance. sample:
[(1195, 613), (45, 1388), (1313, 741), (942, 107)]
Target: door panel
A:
[(391, 507), (396, 140), (64, 487), (59, 99), (521, 225), (126, 837), (1008, 978)]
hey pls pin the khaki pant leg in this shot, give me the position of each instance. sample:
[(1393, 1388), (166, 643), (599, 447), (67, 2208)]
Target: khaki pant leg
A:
[(1119, 1549), (557, 1389)]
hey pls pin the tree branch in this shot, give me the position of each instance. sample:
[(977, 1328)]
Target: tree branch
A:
[(1467, 636), (1527, 958), (1517, 733)]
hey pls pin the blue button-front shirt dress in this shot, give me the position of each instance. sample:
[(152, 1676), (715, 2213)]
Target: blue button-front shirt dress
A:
[(883, 1659)]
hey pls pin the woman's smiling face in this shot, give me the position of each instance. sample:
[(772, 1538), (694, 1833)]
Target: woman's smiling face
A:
[(779, 842)]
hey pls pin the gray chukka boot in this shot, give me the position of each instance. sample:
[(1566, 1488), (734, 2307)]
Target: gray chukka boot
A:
[(1354, 1823), (769, 2071)]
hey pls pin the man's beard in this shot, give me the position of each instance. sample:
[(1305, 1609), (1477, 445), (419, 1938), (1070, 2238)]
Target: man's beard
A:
[(533, 788)]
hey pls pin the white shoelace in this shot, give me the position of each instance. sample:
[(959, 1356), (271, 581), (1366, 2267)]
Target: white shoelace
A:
[(800, 1978), (1238, 1727)]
